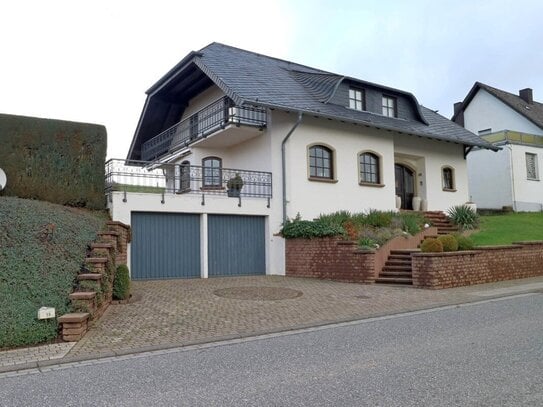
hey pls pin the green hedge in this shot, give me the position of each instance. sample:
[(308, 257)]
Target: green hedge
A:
[(53, 160), (42, 247), (121, 284)]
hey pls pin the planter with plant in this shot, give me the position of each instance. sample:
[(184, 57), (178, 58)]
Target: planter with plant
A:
[(234, 185)]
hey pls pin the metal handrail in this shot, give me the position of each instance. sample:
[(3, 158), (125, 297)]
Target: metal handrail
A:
[(206, 121), (154, 177)]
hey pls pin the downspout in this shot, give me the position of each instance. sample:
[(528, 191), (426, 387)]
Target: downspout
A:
[(284, 165), (510, 147)]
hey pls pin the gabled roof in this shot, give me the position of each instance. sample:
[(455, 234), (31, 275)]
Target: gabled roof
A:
[(531, 111), (251, 78)]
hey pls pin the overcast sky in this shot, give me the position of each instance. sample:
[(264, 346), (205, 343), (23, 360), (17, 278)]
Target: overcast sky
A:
[(92, 61)]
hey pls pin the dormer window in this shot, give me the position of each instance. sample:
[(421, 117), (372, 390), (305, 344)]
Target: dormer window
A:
[(389, 106), (356, 99)]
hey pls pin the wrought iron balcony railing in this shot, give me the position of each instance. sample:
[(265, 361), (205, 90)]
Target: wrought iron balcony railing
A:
[(206, 121), (144, 176)]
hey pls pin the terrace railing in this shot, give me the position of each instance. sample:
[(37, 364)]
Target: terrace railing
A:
[(213, 117), (153, 177)]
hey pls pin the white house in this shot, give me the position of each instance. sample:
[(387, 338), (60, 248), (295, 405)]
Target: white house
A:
[(301, 140), (510, 177)]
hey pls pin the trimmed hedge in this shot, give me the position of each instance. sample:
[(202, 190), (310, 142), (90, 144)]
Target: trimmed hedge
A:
[(431, 245), (121, 284), (42, 247), (53, 160), (449, 242)]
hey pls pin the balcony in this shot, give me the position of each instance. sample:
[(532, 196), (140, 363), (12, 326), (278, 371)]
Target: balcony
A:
[(153, 177), (235, 124)]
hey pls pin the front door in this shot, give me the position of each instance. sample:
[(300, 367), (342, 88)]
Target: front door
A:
[(405, 185)]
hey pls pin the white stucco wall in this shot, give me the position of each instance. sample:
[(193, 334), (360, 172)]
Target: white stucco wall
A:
[(487, 112), (490, 183), (311, 198)]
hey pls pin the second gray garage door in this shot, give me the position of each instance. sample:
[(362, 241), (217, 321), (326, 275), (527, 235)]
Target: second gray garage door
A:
[(236, 245)]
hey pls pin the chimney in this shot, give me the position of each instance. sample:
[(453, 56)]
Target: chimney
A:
[(457, 107), (526, 95)]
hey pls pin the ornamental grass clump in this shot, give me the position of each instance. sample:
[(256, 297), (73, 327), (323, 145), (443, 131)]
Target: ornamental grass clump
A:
[(463, 216), (431, 245), (449, 242)]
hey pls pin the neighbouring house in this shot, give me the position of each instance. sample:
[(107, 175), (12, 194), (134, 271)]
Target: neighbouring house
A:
[(231, 143), (510, 177)]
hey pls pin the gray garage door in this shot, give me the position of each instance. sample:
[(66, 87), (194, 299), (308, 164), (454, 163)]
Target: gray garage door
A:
[(236, 245), (165, 245)]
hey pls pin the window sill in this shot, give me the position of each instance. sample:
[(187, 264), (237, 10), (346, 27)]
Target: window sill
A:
[(449, 190), (370, 184), (328, 180), (532, 179)]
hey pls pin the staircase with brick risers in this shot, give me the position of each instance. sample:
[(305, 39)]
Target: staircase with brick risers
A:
[(441, 222), (397, 269)]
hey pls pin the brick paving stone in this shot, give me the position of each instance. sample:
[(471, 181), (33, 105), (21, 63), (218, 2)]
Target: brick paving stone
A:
[(34, 354), (178, 312)]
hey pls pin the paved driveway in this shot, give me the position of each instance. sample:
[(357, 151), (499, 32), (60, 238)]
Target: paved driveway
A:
[(181, 312)]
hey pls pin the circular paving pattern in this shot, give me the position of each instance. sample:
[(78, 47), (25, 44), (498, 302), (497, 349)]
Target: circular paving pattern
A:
[(258, 293)]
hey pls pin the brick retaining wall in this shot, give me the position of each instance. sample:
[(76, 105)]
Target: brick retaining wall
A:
[(329, 258), (484, 265)]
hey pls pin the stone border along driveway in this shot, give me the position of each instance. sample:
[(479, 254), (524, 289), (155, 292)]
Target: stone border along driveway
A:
[(171, 313)]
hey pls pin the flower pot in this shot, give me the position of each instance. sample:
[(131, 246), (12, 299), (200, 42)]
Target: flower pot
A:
[(398, 202), (423, 205), (472, 206), (233, 193)]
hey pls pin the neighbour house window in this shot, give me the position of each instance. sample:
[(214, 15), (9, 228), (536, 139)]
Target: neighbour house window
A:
[(357, 99), (531, 166), (389, 106), (369, 164), (447, 177), (212, 172), (321, 162)]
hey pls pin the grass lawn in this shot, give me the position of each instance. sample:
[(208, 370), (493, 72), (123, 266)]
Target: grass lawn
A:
[(42, 247), (509, 228)]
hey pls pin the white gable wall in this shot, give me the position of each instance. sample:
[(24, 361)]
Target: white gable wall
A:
[(487, 112), (490, 183)]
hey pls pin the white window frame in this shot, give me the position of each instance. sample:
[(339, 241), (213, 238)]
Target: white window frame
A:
[(535, 169), (356, 99), (389, 106)]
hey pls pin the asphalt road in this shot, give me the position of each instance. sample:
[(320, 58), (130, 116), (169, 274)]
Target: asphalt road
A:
[(486, 354)]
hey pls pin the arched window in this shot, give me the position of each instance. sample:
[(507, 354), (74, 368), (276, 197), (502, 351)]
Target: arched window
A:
[(212, 172), (321, 162), (369, 165), (447, 178)]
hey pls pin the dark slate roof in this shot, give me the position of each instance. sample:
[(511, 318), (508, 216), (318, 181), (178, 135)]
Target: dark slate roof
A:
[(534, 112), (251, 78)]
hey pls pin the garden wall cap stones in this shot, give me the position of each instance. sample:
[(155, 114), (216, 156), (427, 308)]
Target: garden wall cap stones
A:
[(101, 245), (116, 222), (500, 247), (82, 295), (108, 233), (74, 317), (96, 260), (89, 276), (448, 254)]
